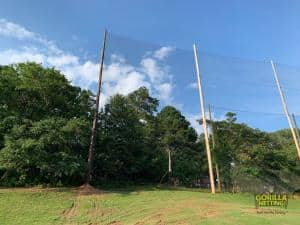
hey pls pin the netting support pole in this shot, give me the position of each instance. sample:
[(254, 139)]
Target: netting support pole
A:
[(208, 152), (296, 127), (213, 147), (95, 120), (170, 162), (284, 105)]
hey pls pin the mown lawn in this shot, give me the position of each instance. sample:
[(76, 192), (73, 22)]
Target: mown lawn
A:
[(135, 206)]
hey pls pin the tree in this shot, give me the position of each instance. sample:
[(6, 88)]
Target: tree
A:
[(36, 105), (45, 127), (244, 151), (121, 141), (48, 151), (146, 107), (29, 91), (178, 137)]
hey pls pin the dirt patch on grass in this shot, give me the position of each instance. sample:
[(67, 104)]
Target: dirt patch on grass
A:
[(201, 210), (82, 190), (213, 210), (87, 189), (206, 210), (71, 212), (97, 211), (157, 219), (115, 223), (83, 193), (36, 189)]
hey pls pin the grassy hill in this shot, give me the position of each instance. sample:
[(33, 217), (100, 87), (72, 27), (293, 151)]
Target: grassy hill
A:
[(134, 206)]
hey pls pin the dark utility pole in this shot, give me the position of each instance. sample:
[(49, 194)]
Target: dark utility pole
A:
[(94, 128)]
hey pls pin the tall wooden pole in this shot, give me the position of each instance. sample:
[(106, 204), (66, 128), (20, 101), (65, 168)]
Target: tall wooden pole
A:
[(95, 120), (211, 126), (170, 162), (170, 165), (296, 127), (213, 147), (210, 169), (285, 109)]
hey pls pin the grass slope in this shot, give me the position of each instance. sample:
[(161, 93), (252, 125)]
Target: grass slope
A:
[(139, 206)]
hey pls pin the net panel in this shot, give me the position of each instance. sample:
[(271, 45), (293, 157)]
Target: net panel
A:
[(245, 87)]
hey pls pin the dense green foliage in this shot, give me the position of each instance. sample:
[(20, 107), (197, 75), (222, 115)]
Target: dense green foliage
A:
[(243, 151), (180, 139), (44, 126), (45, 129), (45, 132)]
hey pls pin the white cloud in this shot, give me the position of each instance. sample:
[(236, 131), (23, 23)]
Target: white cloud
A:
[(10, 29), (158, 73), (118, 76), (117, 69), (17, 56), (165, 91), (13, 30), (193, 119), (193, 85), (64, 59), (117, 58), (82, 74), (126, 84), (163, 52), (153, 70)]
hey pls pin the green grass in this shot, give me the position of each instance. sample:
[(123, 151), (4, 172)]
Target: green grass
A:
[(136, 206)]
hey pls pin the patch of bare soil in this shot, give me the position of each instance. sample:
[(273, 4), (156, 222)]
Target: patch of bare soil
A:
[(157, 219), (208, 210), (205, 211), (71, 212), (82, 193), (213, 210), (30, 189), (97, 211), (87, 189), (115, 223), (160, 222)]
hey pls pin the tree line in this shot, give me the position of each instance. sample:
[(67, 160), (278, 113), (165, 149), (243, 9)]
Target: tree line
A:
[(45, 128)]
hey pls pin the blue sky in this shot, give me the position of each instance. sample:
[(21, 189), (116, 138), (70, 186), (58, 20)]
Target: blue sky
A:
[(67, 34)]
